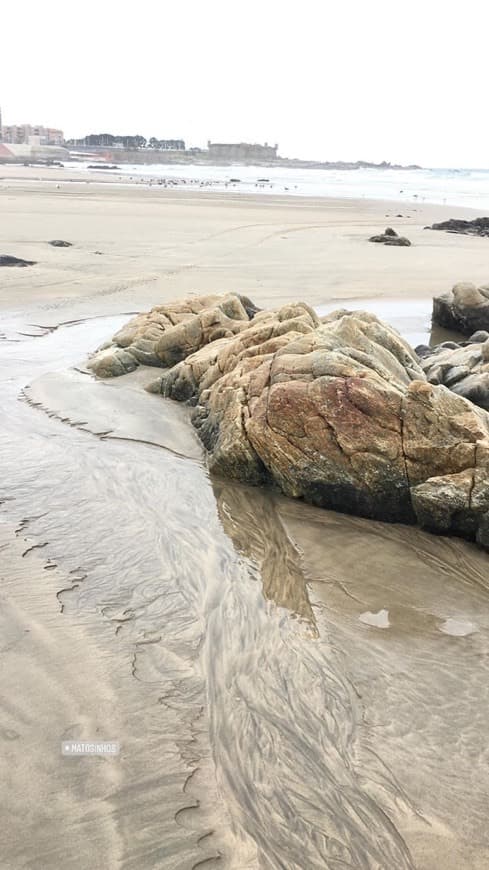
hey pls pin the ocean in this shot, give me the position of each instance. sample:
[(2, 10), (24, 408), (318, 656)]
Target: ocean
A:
[(468, 188)]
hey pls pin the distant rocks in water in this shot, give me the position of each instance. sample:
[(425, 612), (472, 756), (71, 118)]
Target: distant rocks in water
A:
[(465, 308), (103, 166), (477, 227), (335, 410), (169, 333), (60, 243), (390, 237), (8, 260), (463, 368)]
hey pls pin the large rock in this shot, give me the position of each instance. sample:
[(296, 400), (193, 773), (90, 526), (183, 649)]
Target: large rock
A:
[(463, 368), (477, 227), (338, 412), (465, 308), (168, 333)]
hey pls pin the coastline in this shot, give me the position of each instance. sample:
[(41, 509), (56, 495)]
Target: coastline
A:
[(458, 188), (145, 245)]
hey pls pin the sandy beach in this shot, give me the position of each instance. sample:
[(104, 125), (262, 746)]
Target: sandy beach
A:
[(291, 688), (168, 243)]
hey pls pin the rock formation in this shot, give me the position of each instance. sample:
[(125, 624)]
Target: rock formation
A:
[(8, 260), (390, 237), (477, 227), (337, 411), (60, 243), (465, 308), (463, 368), (169, 333)]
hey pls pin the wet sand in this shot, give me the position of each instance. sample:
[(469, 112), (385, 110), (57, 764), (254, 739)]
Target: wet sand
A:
[(291, 688)]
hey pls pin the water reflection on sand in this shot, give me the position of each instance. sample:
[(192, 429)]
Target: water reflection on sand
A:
[(292, 688)]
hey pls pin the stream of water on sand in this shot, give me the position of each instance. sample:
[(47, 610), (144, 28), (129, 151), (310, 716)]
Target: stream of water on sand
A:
[(291, 688)]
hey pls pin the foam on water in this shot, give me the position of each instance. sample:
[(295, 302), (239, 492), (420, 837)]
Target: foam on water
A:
[(457, 187)]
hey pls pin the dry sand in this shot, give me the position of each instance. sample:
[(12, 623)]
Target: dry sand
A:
[(167, 243), (291, 688)]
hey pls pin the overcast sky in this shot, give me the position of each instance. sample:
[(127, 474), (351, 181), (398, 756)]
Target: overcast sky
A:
[(384, 80)]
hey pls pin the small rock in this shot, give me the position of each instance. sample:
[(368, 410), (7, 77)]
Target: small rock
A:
[(480, 335), (60, 243), (462, 368), (8, 260), (390, 237)]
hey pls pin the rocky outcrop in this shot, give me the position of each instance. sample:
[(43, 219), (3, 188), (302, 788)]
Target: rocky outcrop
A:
[(390, 237), (8, 260), (465, 308), (339, 412), (169, 333), (60, 243), (477, 227), (463, 368)]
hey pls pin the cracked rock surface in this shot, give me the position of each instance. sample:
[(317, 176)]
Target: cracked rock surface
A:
[(337, 411), (168, 333)]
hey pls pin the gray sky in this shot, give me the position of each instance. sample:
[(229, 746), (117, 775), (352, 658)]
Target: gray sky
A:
[(352, 79)]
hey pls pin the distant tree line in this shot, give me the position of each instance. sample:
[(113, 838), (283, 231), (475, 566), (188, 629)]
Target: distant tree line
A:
[(107, 140)]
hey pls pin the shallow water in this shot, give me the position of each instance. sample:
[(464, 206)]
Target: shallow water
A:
[(291, 688), (468, 188)]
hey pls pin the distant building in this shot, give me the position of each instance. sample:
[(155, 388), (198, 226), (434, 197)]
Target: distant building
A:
[(166, 144), (109, 140), (25, 134), (242, 151)]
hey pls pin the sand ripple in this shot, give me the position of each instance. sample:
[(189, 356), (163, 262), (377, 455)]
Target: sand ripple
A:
[(263, 723)]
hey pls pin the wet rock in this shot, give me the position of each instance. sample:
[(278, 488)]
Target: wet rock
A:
[(390, 237), (477, 227), (480, 336), (338, 412), (465, 308), (463, 368), (60, 243), (8, 260), (169, 333)]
